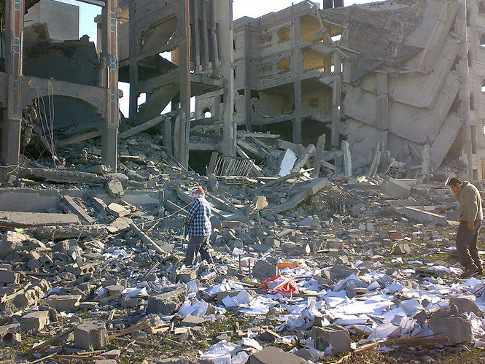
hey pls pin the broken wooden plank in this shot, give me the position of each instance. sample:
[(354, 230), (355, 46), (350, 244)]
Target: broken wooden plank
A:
[(76, 139), (147, 240), (286, 178), (141, 128), (311, 189), (61, 176), (15, 219), (78, 210)]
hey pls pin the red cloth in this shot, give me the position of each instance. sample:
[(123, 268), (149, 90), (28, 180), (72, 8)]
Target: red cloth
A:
[(281, 284)]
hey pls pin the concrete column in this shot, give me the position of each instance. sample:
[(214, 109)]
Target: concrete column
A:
[(196, 25), (133, 63), (465, 89), (382, 107), (182, 128), (12, 116), (214, 37), (336, 99), (227, 56), (110, 51), (296, 64), (205, 33)]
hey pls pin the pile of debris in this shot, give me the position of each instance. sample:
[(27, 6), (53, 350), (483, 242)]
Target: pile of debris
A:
[(307, 267)]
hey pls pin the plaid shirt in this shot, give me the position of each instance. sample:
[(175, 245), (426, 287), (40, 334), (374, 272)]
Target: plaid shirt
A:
[(198, 220)]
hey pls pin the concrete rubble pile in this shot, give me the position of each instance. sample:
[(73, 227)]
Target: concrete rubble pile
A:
[(91, 266)]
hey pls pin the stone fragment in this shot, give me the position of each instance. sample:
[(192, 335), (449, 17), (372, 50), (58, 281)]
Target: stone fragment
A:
[(115, 188), (466, 305), (338, 272), (118, 210), (186, 275), (335, 336), (34, 322), (457, 329), (64, 303), (121, 224), (105, 361), (272, 355), (114, 291), (401, 248), (166, 303), (262, 270), (91, 335), (10, 242), (191, 321)]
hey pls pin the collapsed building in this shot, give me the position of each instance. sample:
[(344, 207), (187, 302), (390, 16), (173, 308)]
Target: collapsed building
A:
[(397, 79), (393, 76)]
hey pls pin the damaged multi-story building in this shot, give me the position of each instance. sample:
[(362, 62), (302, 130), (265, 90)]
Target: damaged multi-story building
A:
[(400, 78), (403, 76)]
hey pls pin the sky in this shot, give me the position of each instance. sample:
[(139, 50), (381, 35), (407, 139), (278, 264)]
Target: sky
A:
[(251, 8)]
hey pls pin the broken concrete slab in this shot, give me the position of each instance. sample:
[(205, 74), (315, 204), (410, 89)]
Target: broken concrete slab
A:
[(7, 276), (34, 322), (61, 176), (422, 216), (78, 210), (398, 188), (64, 303), (91, 335), (118, 210), (457, 329), (308, 190), (68, 232), (120, 225), (337, 337), (13, 219), (272, 355), (166, 303)]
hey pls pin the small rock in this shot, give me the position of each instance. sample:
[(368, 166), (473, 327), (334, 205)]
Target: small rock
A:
[(91, 335), (272, 355), (466, 305), (65, 303), (115, 188), (336, 336), (457, 329), (166, 303), (263, 270)]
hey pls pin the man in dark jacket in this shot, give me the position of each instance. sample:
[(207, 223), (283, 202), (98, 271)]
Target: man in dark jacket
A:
[(198, 228), (471, 217)]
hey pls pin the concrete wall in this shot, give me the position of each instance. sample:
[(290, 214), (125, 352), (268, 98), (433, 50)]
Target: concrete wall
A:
[(62, 19)]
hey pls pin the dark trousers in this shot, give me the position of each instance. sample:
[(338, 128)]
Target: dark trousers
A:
[(198, 244), (466, 246)]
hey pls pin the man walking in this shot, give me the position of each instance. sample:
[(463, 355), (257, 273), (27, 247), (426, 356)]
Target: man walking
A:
[(198, 228), (471, 217)]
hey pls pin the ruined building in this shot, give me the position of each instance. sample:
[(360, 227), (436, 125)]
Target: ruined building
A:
[(392, 75), (36, 69), (179, 50), (396, 80)]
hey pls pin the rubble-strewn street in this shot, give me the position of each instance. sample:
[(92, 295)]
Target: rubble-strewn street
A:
[(314, 154), (329, 269)]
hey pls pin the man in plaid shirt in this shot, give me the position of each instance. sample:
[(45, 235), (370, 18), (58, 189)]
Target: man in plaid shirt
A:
[(198, 228)]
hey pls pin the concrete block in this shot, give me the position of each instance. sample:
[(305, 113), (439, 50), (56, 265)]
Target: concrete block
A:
[(118, 210), (422, 216), (272, 355), (457, 329), (65, 303), (336, 336), (34, 321), (166, 303), (9, 335), (114, 291), (91, 335)]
